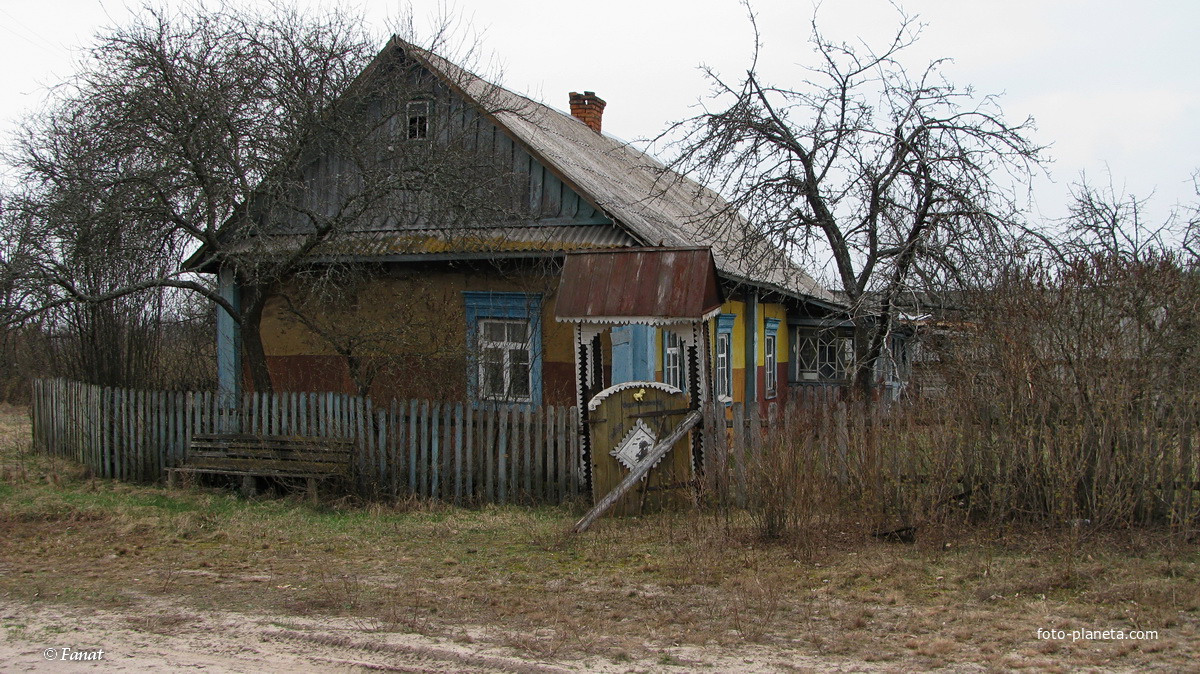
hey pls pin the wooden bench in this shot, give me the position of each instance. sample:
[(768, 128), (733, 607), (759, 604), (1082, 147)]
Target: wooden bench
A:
[(254, 456)]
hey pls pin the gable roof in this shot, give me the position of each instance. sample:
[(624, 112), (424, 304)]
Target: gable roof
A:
[(658, 206), (647, 203)]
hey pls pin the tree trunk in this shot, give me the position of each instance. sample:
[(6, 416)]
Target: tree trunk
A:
[(252, 346), (865, 357)]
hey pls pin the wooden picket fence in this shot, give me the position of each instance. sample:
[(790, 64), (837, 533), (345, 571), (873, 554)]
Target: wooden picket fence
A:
[(456, 452)]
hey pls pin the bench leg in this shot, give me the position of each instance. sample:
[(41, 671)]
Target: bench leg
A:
[(172, 479), (312, 489), (248, 486)]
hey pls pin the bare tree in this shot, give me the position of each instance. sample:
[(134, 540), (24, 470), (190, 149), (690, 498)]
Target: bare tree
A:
[(157, 143), (899, 178), (259, 139), (1191, 224)]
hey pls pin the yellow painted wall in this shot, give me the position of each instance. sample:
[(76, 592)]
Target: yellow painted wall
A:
[(433, 301), (781, 344), (740, 330), (738, 355), (424, 314)]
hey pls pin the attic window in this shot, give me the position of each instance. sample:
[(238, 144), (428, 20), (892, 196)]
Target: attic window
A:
[(418, 120)]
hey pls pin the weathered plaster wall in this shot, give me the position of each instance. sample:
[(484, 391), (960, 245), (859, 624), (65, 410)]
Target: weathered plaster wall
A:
[(410, 327)]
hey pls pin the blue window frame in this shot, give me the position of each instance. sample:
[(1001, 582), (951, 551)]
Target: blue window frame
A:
[(771, 358), (723, 371), (504, 338)]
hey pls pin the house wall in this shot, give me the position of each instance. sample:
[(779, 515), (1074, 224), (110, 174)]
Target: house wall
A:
[(737, 307), (778, 312), (408, 330), (741, 331)]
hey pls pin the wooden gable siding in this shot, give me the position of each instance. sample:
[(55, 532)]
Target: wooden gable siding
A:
[(549, 199), (469, 150)]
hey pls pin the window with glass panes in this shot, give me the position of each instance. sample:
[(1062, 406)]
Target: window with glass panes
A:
[(771, 356), (822, 356), (418, 120), (504, 345), (504, 359), (724, 374), (771, 373), (673, 360), (723, 358)]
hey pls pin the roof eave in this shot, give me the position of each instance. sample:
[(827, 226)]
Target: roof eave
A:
[(794, 294)]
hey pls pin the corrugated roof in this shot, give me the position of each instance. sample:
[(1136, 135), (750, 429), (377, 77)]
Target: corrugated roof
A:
[(645, 285), (382, 244), (651, 205), (659, 206)]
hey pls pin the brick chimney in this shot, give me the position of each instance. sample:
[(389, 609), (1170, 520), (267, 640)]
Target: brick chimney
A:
[(588, 108)]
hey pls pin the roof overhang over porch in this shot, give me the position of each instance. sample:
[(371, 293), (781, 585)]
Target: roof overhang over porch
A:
[(645, 286)]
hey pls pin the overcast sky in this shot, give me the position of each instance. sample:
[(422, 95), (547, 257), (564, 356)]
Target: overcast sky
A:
[(1112, 84)]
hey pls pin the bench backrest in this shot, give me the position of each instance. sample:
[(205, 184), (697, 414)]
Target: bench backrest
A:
[(271, 453)]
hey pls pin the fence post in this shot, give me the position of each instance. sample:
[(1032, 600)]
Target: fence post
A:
[(435, 449), (568, 437), (366, 440), (458, 453), (381, 440), (739, 452), (424, 467), (489, 449), (502, 452), (842, 433), (412, 446), (470, 452), (539, 464), (396, 450)]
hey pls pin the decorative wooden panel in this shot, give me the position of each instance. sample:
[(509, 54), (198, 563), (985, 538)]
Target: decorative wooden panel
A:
[(624, 414)]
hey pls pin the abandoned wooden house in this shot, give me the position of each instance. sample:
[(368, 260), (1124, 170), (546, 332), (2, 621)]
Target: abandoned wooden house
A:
[(436, 248)]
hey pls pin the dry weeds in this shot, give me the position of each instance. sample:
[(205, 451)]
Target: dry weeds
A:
[(670, 592)]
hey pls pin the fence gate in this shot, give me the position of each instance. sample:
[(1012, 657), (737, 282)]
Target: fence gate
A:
[(626, 421)]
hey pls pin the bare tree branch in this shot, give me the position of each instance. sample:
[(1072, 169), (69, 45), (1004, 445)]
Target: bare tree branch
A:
[(885, 179)]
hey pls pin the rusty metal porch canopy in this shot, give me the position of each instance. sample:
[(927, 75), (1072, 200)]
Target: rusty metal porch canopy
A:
[(648, 286)]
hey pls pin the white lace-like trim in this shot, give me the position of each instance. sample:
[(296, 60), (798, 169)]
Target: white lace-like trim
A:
[(617, 388)]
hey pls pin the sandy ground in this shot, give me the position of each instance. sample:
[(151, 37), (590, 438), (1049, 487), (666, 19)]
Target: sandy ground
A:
[(167, 638)]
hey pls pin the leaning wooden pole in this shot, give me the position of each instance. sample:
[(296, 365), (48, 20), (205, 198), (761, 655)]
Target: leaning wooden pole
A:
[(639, 471)]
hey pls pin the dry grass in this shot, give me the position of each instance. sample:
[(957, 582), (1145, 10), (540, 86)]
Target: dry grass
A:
[(629, 590)]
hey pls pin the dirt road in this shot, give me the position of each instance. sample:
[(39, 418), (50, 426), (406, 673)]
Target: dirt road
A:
[(162, 637)]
